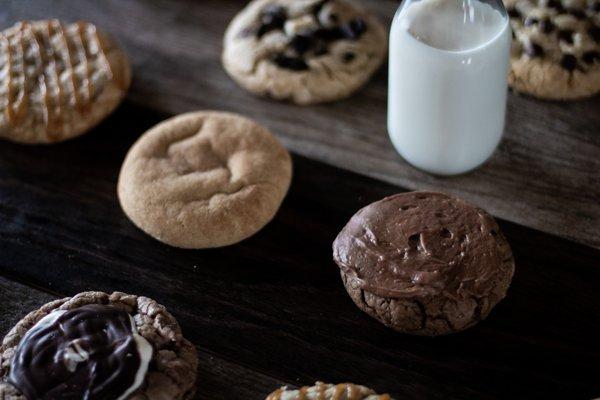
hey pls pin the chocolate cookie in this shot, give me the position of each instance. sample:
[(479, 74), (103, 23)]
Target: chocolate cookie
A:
[(307, 51), (323, 391), (204, 179), (556, 48), (424, 263), (58, 80), (98, 346)]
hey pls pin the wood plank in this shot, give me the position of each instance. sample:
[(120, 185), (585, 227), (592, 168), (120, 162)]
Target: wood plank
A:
[(275, 304), (16, 300), (545, 174)]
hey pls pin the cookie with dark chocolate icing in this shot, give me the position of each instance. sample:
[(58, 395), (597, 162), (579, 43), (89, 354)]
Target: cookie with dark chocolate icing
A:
[(97, 346), (556, 48), (305, 51), (424, 263)]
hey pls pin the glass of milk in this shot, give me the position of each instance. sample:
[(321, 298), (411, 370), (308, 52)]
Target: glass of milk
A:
[(448, 82)]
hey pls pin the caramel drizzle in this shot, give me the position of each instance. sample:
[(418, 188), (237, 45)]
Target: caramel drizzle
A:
[(343, 391), (47, 58)]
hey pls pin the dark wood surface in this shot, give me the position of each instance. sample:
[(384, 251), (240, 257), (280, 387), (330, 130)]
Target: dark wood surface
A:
[(545, 174), (272, 310)]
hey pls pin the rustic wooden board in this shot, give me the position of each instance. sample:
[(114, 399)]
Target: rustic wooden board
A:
[(272, 310), (545, 175)]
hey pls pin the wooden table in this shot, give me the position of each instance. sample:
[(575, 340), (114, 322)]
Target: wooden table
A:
[(272, 310)]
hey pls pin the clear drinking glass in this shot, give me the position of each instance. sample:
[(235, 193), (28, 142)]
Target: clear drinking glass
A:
[(448, 82)]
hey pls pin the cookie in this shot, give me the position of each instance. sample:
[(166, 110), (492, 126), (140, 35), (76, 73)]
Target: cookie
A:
[(556, 48), (305, 51), (58, 80), (96, 345), (424, 263), (204, 179), (322, 391)]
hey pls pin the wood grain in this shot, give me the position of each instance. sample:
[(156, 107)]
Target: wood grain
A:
[(272, 310), (545, 174)]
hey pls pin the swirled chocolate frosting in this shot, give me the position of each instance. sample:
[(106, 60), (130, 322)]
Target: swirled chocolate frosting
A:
[(92, 352), (421, 244)]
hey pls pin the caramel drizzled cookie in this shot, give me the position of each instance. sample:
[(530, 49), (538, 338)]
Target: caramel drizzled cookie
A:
[(306, 51), (424, 263), (98, 346), (204, 179), (556, 48), (323, 391), (58, 80)]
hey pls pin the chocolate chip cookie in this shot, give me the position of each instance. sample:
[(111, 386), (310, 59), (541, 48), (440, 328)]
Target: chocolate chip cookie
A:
[(424, 263), (96, 345), (58, 80), (305, 51), (204, 179), (323, 391), (556, 48)]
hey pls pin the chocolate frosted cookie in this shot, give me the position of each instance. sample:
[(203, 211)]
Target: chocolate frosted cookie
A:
[(306, 51), (204, 179), (323, 391), (98, 346), (556, 48), (424, 263), (58, 80)]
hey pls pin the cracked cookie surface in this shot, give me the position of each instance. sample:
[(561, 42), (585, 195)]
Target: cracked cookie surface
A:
[(424, 263), (58, 80), (556, 48), (305, 51), (172, 371), (324, 391), (204, 179)]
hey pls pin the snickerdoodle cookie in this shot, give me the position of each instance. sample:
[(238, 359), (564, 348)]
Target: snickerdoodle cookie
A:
[(556, 48), (58, 80), (306, 51), (204, 179), (424, 263), (323, 391), (98, 346)]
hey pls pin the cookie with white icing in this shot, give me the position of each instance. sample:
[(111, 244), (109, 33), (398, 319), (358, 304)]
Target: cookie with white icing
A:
[(305, 51)]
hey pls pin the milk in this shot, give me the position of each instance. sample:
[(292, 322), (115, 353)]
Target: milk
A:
[(448, 83)]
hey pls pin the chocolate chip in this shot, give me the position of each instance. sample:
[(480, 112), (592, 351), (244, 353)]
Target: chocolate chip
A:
[(320, 48), (556, 4), (292, 63), (568, 62), (273, 17), (329, 34), (594, 33), (595, 6), (576, 13), (533, 50), (349, 57), (301, 43), (354, 29), (334, 18), (566, 35), (546, 25), (513, 13), (318, 7), (530, 21), (591, 57)]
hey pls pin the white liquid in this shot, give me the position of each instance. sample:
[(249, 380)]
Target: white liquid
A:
[(448, 83)]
